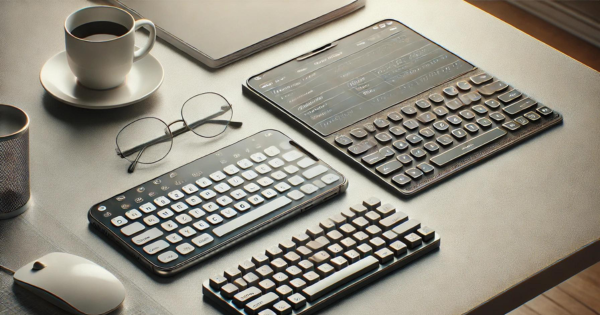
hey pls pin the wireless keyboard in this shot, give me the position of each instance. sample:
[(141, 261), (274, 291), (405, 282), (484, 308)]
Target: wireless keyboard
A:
[(302, 274), (422, 141), (401, 107), (173, 221)]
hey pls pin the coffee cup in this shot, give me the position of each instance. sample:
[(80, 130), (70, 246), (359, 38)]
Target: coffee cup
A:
[(100, 43)]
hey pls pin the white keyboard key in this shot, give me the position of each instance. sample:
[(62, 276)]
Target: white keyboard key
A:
[(118, 221), (214, 219), (249, 175), (296, 180), (242, 206), (167, 257), (279, 175), (156, 247), (162, 201), (306, 162), (251, 216), (235, 181), (309, 189), (228, 213), (201, 225), (180, 206), (295, 194), (202, 240), (193, 201), (174, 238), (183, 218), (203, 182), (176, 195), (281, 187), (245, 163), (272, 151), (231, 169), (165, 213), (133, 214), (291, 169), (147, 207), (314, 171), (147, 236), (222, 187), (196, 213), (132, 228), (319, 183), (207, 194), (252, 187), (151, 220), (256, 199), (187, 231), (258, 157), (292, 155), (189, 189), (263, 169), (330, 178), (265, 181), (217, 176), (238, 194), (185, 248), (224, 200), (269, 193), (169, 226), (276, 163), (210, 207)]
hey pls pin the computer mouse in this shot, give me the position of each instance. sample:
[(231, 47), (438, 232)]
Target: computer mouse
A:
[(72, 283)]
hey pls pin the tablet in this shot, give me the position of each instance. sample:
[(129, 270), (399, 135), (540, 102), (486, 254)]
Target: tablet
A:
[(357, 76)]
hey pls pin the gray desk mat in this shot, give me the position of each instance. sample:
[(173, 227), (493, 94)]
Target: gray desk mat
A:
[(24, 232)]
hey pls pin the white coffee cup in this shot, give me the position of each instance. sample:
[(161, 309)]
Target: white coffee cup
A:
[(103, 54)]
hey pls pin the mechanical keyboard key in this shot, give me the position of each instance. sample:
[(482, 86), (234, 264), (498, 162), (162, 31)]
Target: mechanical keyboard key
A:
[(406, 228), (319, 289), (261, 303)]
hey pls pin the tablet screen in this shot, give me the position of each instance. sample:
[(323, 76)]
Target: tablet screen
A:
[(360, 75)]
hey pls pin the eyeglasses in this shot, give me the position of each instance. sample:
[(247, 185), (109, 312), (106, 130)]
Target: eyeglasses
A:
[(148, 140)]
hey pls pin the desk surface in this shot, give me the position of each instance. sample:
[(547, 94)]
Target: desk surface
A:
[(501, 222)]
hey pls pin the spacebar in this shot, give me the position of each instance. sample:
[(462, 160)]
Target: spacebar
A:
[(251, 216), (340, 278), (467, 147)]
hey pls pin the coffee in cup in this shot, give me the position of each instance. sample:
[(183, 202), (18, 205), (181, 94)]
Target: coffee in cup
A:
[(100, 43)]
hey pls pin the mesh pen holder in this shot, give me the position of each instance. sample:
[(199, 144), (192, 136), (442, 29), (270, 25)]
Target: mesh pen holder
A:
[(14, 161)]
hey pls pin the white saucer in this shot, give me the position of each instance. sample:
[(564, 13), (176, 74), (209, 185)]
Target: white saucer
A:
[(145, 77)]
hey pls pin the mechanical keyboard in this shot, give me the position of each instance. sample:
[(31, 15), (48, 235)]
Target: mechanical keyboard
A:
[(302, 274), (181, 217)]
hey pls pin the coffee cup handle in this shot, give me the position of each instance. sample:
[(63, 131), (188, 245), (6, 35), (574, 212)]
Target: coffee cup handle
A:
[(142, 52)]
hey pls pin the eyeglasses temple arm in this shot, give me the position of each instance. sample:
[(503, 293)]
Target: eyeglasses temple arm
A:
[(135, 162)]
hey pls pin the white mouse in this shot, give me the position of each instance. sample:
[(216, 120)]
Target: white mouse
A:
[(72, 283)]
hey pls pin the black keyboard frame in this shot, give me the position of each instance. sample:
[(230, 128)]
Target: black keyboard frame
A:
[(427, 180), (98, 219)]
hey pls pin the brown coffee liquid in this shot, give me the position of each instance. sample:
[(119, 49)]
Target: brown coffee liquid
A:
[(99, 31)]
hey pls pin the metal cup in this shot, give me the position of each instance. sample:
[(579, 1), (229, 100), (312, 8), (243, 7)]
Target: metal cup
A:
[(14, 161)]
